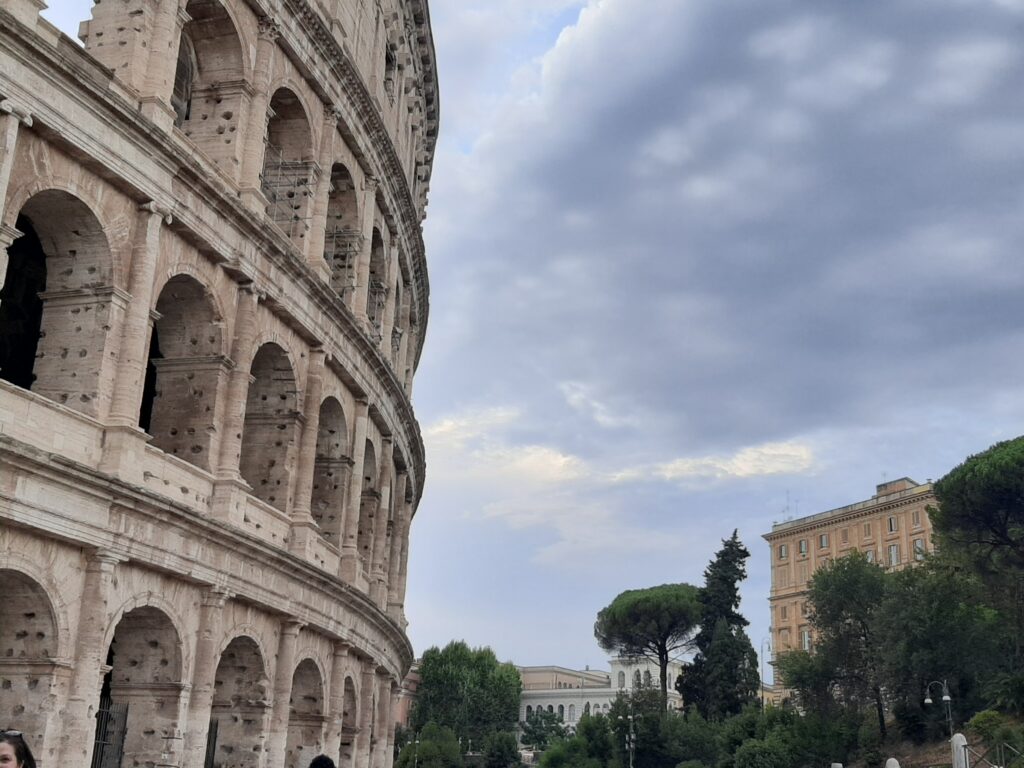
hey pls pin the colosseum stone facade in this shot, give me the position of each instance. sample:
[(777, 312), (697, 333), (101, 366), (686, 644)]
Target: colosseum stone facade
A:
[(214, 299)]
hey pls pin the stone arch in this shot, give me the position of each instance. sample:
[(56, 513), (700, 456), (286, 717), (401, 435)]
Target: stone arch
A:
[(54, 592), (288, 164), (332, 469), (55, 304), (185, 370), (306, 715), (241, 705), (29, 648), (270, 432), (377, 291), (561, 712), (146, 669), (343, 238), (368, 504), (209, 95)]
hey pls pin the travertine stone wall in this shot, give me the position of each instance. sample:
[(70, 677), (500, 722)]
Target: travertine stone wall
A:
[(208, 457)]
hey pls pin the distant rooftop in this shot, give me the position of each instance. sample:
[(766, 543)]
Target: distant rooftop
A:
[(893, 490)]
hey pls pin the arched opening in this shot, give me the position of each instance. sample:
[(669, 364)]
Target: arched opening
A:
[(288, 165), (55, 302), (377, 296), (306, 716), (240, 706), (561, 712), (349, 723), (343, 240), (396, 325), (28, 647), (572, 713), (636, 678), (647, 678), (331, 472), (622, 679), (586, 709), (209, 84), (551, 709), (390, 71), (271, 426), (143, 688), (368, 505), (529, 711), (184, 373)]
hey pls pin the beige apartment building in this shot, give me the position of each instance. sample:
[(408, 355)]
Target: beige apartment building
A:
[(891, 528)]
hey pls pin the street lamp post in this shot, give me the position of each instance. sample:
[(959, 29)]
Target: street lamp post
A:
[(766, 642), (630, 737), (416, 752), (946, 699)]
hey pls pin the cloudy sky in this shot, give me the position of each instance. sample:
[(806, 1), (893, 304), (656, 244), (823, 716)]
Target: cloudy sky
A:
[(698, 266)]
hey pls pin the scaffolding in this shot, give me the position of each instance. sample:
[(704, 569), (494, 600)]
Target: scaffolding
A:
[(375, 303), (287, 187)]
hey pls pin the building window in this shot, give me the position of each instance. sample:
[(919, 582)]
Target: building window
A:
[(622, 675), (867, 530), (894, 554), (804, 574), (561, 712), (529, 709), (783, 551), (647, 678), (572, 713), (803, 609), (870, 554), (919, 549), (915, 518), (781, 577), (636, 678), (894, 524), (783, 612), (805, 639), (802, 546), (822, 541), (844, 536)]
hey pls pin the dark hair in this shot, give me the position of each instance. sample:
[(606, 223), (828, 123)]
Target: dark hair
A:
[(21, 751), (322, 761)]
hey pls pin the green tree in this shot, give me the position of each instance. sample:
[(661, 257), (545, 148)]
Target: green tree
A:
[(434, 747), (722, 678), (541, 728), (652, 623), (934, 622), (980, 520), (501, 750), (845, 597), (467, 690), (590, 747)]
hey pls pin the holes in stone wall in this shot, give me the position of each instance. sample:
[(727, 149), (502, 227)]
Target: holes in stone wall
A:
[(286, 180), (331, 471), (343, 239), (306, 718), (271, 423), (240, 704)]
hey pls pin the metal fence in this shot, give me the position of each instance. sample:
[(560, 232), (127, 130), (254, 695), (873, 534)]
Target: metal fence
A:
[(111, 722)]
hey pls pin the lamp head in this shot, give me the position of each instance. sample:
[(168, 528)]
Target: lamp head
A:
[(945, 697), (928, 699)]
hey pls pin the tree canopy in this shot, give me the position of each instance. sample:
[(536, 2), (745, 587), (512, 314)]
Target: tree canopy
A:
[(722, 678), (650, 623), (981, 506), (468, 691)]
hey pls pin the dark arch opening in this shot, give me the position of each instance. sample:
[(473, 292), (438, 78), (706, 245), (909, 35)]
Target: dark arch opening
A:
[(21, 309)]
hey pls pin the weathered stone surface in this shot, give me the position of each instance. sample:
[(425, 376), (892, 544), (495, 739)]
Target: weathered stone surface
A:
[(213, 300)]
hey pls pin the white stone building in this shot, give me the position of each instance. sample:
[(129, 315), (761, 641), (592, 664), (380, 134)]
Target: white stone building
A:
[(571, 693)]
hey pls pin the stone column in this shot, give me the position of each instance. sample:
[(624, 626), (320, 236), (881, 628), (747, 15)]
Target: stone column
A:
[(403, 568), (336, 706), (277, 739), (230, 489), (368, 207), (79, 718), (387, 323), (377, 570), (200, 703), (303, 530), (11, 117), (256, 126), (389, 752), (169, 20), (242, 352), (350, 530), (137, 328), (361, 758), (318, 220), (393, 552), (383, 726)]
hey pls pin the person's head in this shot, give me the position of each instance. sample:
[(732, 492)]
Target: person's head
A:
[(14, 752), (322, 761)]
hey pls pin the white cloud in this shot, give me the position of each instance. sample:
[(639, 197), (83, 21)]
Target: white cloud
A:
[(963, 72), (581, 399), (785, 458)]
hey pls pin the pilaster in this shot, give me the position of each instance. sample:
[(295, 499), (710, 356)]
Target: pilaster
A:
[(303, 529), (368, 209), (162, 66), (336, 703), (277, 739), (200, 704), (350, 531), (12, 116), (256, 126)]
